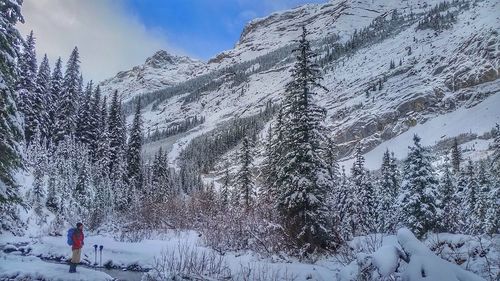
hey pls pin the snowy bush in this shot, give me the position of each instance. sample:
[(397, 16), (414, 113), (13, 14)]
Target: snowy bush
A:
[(479, 254), (407, 260)]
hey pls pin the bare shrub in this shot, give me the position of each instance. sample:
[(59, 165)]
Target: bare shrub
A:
[(262, 272), (187, 262)]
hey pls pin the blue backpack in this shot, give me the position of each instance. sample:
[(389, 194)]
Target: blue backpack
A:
[(70, 236)]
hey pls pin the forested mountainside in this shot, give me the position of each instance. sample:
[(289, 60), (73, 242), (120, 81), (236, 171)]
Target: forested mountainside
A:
[(388, 67)]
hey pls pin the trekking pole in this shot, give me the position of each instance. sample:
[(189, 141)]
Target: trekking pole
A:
[(95, 255), (100, 250)]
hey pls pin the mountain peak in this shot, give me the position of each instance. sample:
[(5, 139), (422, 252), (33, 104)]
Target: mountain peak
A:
[(162, 58), (161, 70)]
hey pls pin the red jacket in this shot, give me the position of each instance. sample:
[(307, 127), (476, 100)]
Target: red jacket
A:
[(78, 240)]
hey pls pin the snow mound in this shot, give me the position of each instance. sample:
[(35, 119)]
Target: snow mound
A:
[(386, 260), (405, 259), (426, 266)]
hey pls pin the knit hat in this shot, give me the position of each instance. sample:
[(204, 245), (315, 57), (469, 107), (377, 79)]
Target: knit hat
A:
[(79, 224)]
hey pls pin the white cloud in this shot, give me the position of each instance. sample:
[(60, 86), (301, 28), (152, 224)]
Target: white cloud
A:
[(109, 38)]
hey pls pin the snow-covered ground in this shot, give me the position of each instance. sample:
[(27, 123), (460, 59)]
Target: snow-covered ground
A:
[(17, 267), (143, 254), (176, 246)]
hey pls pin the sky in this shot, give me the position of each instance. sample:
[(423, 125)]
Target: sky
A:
[(115, 35)]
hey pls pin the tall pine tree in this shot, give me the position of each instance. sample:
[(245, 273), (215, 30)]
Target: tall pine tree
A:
[(456, 157), (52, 100), (303, 177), (103, 142), (448, 200), (244, 178), (68, 104), (470, 191), (10, 130), (83, 131), (134, 151), (115, 134), (41, 94), (388, 187), (30, 101), (361, 197), (94, 131), (418, 195)]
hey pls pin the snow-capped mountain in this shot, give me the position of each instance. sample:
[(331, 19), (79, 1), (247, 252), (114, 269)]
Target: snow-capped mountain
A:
[(159, 71), (392, 68)]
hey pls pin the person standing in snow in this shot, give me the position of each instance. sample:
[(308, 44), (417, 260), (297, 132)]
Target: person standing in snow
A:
[(76, 248)]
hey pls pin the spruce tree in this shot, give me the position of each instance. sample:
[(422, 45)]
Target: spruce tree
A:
[(134, 151), (10, 129), (162, 183), (481, 205), (42, 93), (462, 181), (224, 193), (471, 197), (53, 98), (244, 177), (103, 141), (388, 187), (418, 195), (448, 200), (343, 210), (115, 134), (83, 130), (67, 107), (362, 196), (83, 192), (30, 101), (495, 161), (273, 156), (492, 216), (303, 179), (456, 156), (94, 131), (28, 66)]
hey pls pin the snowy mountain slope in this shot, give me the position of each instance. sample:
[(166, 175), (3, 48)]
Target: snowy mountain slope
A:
[(159, 71), (335, 17), (439, 128), (435, 73)]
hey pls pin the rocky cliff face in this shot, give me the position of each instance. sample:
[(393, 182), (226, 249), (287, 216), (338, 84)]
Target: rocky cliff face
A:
[(407, 67)]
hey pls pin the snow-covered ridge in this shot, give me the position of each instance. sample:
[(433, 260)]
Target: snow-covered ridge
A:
[(435, 72), (159, 71)]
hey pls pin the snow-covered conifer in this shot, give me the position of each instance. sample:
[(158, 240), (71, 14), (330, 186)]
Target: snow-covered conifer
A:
[(244, 179), (418, 196), (134, 151), (42, 93), (303, 178), (456, 156), (68, 104), (10, 128)]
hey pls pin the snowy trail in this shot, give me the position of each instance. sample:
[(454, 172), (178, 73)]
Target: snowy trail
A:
[(117, 274), (121, 255)]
